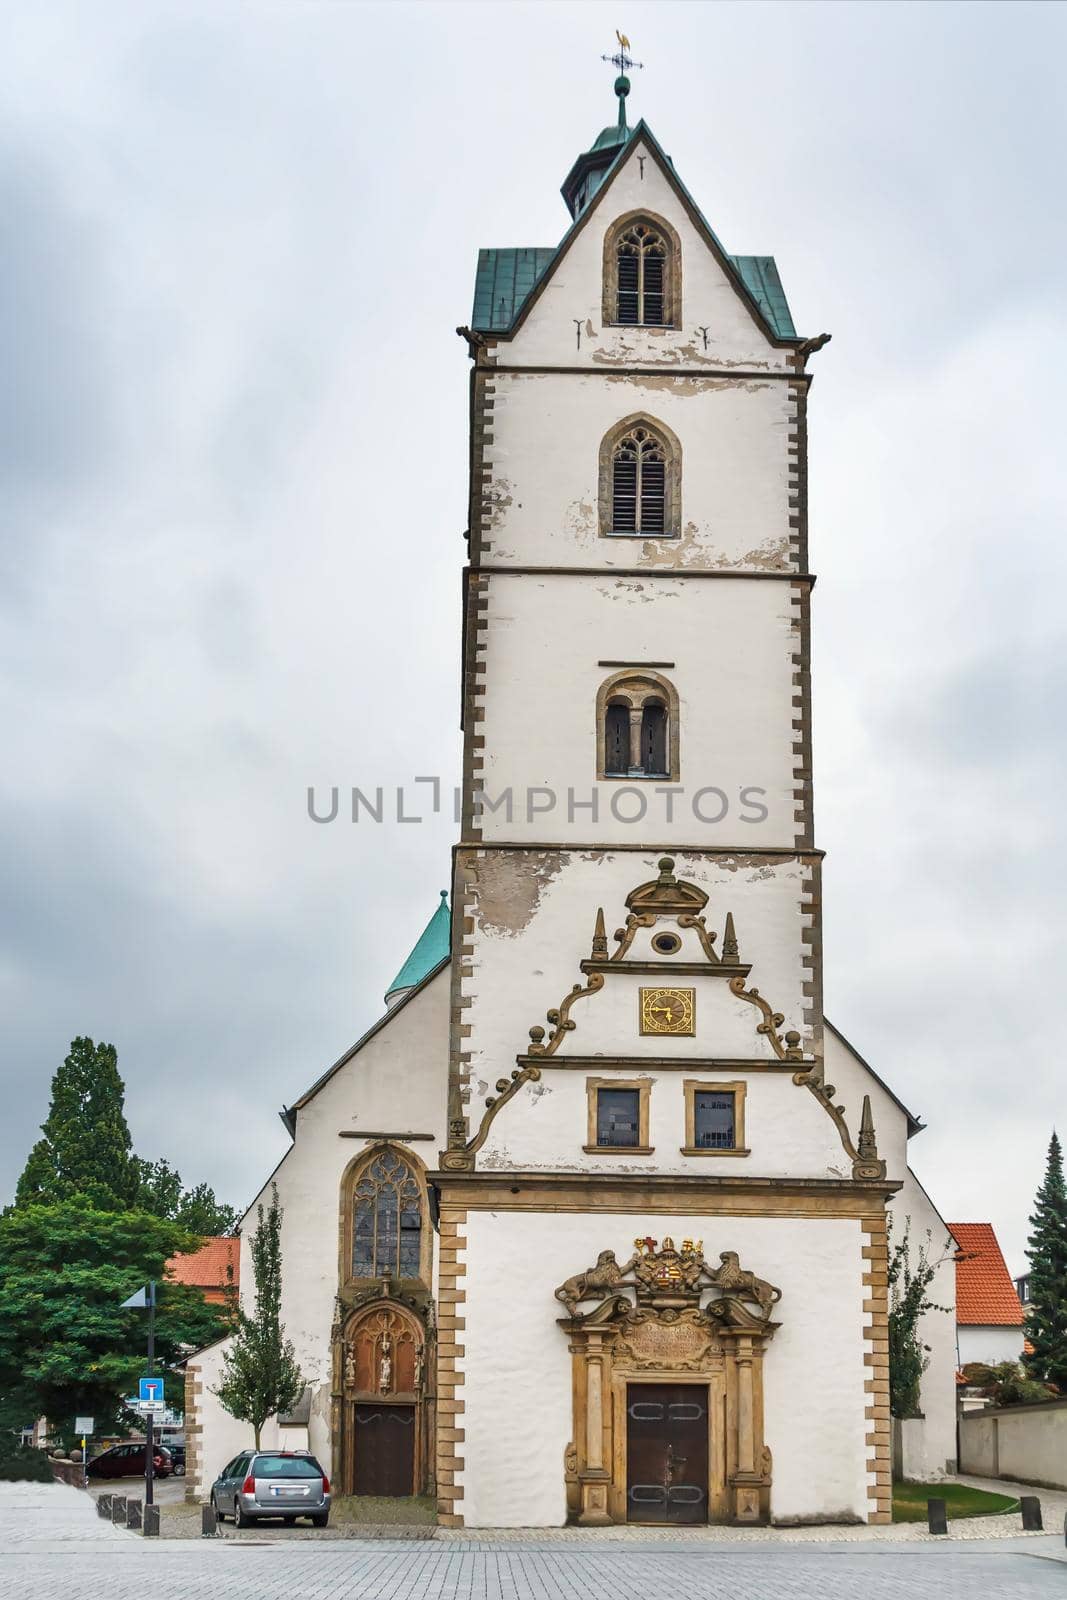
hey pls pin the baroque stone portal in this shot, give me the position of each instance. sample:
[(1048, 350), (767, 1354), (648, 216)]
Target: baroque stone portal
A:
[(665, 1314)]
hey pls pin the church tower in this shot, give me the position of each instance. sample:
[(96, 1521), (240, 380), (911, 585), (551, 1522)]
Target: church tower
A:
[(636, 1043)]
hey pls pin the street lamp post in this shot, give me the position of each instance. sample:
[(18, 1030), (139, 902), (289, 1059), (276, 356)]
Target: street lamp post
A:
[(149, 1441), (146, 1297)]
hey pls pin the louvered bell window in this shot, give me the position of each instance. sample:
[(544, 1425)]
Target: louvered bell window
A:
[(639, 485), (642, 269)]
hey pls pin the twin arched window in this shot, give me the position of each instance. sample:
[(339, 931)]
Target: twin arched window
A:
[(637, 727), (385, 1210)]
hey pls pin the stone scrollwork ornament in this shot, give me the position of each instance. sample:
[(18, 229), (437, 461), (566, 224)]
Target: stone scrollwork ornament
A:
[(669, 1279)]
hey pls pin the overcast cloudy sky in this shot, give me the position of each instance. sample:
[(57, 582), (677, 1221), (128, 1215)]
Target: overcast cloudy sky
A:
[(237, 240)]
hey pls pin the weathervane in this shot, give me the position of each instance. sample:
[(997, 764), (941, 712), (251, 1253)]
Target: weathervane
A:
[(623, 61)]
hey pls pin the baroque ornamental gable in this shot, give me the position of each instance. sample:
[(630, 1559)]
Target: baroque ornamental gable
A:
[(669, 900)]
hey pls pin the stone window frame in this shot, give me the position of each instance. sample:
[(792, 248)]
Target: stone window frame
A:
[(349, 1178), (672, 277), (672, 485), (626, 687), (643, 1086), (738, 1088)]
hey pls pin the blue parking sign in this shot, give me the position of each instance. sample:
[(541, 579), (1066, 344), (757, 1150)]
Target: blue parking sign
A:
[(150, 1391)]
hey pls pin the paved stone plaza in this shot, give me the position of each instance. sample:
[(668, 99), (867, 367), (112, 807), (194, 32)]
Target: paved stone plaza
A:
[(52, 1545)]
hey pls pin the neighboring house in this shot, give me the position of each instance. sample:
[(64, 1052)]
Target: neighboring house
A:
[(592, 1229), (989, 1316), (1022, 1289), (214, 1269)]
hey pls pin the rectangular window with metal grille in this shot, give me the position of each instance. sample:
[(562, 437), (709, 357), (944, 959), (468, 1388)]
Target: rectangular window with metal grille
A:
[(713, 1120), (617, 1117)]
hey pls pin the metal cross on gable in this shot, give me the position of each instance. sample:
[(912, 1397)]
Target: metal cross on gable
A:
[(622, 60)]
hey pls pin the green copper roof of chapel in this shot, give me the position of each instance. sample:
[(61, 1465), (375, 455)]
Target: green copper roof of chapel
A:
[(433, 945)]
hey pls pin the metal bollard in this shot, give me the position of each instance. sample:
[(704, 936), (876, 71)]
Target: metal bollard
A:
[(103, 1506), (133, 1514), (118, 1508), (936, 1516), (1030, 1506), (209, 1523), (151, 1522)]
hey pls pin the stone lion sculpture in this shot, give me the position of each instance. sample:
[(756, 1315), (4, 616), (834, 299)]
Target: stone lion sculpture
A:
[(600, 1279), (736, 1280)]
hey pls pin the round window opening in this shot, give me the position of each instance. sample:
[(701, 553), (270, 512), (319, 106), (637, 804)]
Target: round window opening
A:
[(666, 943)]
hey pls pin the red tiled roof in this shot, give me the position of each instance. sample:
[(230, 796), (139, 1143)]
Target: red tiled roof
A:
[(985, 1294), (210, 1266)]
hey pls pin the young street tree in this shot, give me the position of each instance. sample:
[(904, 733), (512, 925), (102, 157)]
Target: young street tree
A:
[(909, 1302), (260, 1372), (1046, 1314)]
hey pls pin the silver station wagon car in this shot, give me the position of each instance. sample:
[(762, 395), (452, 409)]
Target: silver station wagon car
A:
[(272, 1483)]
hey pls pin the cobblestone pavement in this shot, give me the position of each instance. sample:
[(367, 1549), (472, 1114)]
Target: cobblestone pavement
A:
[(53, 1545)]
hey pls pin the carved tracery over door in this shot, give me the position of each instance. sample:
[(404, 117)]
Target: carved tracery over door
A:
[(382, 1358)]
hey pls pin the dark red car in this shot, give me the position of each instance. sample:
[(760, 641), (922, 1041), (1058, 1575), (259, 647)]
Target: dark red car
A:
[(127, 1461)]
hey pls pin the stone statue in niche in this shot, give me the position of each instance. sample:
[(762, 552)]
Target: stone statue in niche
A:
[(385, 1366)]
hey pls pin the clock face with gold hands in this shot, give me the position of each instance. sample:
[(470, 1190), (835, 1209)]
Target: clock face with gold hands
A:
[(668, 1011)]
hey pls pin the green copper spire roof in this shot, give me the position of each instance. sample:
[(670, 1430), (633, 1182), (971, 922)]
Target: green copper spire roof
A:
[(587, 173), (433, 946)]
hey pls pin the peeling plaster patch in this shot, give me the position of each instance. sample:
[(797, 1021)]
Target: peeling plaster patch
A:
[(580, 519), (509, 888), (761, 875), (687, 552), (637, 590), (482, 1088), (499, 498), (624, 352), (738, 863), (538, 1089)]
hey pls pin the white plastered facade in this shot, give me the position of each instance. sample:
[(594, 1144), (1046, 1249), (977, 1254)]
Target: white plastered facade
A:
[(555, 607)]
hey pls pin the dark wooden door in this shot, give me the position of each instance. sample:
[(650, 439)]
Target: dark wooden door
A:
[(385, 1449), (666, 1452)]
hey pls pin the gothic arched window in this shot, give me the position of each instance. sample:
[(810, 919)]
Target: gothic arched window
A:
[(640, 480), (385, 1208), (642, 258), (642, 273), (637, 727), (639, 484)]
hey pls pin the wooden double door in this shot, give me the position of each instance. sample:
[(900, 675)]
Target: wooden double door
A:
[(384, 1449), (666, 1452)]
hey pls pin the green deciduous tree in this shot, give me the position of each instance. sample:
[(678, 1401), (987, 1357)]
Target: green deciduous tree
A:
[(260, 1372), (1005, 1383), (66, 1344), (909, 1358), (196, 1209), (85, 1151), (1046, 1314)]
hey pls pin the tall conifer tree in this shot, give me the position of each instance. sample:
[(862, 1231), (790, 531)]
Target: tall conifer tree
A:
[(1046, 1314), (86, 1151)]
